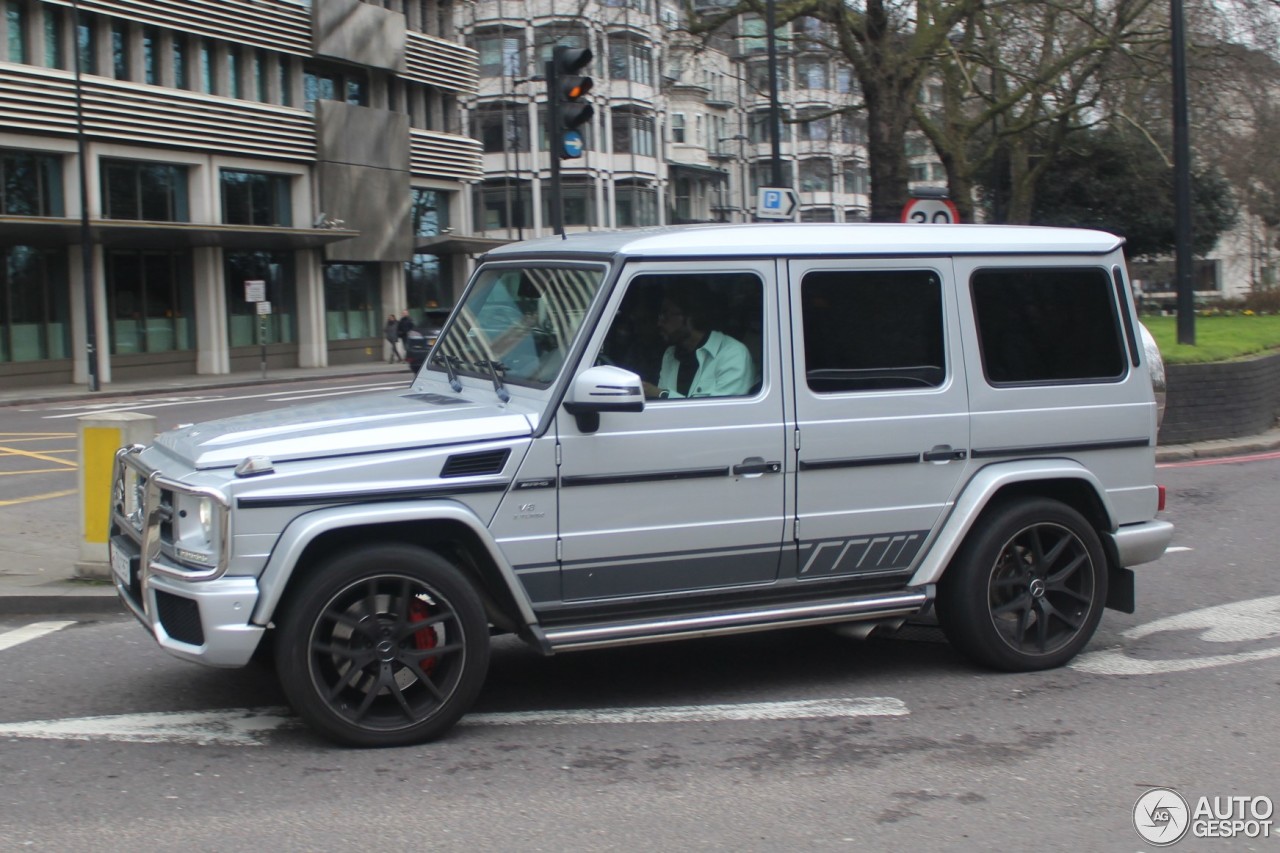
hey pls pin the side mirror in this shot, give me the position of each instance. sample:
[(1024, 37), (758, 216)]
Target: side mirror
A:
[(603, 388)]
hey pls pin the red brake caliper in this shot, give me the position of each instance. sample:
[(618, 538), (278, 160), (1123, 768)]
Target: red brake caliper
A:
[(426, 638)]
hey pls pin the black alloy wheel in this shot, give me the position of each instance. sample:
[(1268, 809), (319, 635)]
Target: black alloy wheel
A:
[(385, 645), (1027, 589)]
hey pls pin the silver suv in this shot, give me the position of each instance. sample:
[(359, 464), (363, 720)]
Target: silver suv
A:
[(665, 434)]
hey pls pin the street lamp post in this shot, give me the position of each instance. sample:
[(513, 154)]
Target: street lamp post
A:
[(1181, 178), (741, 139), (86, 236), (775, 114)]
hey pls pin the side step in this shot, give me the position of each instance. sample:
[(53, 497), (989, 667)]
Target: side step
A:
[(688, 626)]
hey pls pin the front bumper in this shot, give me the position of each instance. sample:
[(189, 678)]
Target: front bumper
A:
[(202, 621)]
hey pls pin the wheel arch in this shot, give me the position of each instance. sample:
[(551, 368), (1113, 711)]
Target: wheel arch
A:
[(1063, 480), (446, 527)]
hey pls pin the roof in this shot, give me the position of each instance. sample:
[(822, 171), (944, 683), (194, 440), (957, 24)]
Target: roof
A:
[(793, 238)]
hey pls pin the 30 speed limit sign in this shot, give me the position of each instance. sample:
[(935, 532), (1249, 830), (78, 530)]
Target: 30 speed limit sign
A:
[(931, 210)]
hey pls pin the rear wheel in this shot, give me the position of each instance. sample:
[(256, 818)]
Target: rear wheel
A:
[(383, 646), (1027, 589)]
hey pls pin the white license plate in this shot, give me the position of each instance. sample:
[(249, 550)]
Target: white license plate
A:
[(120, 563)]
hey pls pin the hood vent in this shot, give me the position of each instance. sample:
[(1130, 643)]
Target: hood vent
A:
[(476, 464)]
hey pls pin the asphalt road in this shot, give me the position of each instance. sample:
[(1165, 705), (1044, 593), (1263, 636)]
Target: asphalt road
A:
[(910, 747)]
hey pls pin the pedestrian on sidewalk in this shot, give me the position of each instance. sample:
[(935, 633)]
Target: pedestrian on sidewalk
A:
[(392, 333)]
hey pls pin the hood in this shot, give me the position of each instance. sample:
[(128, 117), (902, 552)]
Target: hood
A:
[(394, 420)]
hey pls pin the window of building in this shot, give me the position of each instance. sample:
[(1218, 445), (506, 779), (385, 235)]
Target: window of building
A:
[(256, 198), (683, 192), (429, 212), (208, 75), (813, 127), (578, 200), (1045, 325), (87, 44), (633, 133), (630, 60), (54, 50), (352, 301), (275, 269), (502, 127), (259, 75), (758, 79), (428, 277), (549, 37), (635, 205), (918, 172), (857, 179), (357, 89), (284, 68), (677, 128), (179, 60), (844, 80), (155, 192), (815, 176), (811, 73), (874, 330), (30, 184), (15, 14), (120, 50), (503, 203), (853, 129), (236, 89), (818, 214), (34, 304), (500, 55), (150, 45), (149, 301)]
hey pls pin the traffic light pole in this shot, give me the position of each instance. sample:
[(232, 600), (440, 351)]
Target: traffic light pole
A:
[(553, 141)]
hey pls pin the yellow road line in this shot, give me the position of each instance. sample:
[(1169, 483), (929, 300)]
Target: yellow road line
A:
[(34, 435), (9, 451), (38, 471), (50, 437), (34, 498)]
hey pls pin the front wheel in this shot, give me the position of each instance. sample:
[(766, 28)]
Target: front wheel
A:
[(384, 645), (1027, 589)]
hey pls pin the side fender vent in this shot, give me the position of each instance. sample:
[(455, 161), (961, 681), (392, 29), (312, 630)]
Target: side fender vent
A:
[(476, 464)]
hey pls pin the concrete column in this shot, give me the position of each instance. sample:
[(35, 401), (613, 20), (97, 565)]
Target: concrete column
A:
[(313, 345), (394, 297), (100, 436), (213, 353)]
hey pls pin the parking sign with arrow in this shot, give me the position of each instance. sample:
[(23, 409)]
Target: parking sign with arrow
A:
[(776, 203)]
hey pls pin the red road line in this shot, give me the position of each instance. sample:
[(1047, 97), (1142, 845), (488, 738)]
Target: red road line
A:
[(1225, 460)]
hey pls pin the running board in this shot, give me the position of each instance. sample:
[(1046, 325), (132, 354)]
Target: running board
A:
[(662, 629)]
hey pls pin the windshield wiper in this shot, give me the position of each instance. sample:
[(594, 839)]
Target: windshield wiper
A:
[(494, 368), (448, 361)]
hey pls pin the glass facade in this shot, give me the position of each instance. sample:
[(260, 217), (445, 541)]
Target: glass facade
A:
[(256, 198), (427, 276), (243, 321), (352, 302), (30, 184), (156, 192), (149, 301), (34, 303)]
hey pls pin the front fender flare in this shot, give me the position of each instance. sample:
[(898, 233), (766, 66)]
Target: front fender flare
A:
[(980, 490), (305, 528)]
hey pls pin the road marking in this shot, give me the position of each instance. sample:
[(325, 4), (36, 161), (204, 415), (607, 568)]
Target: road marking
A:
[(15, 437), (1174, 549), (33, 498), (38, 471), (153, 403), (873, 706), (34, 631), (248, 726), (27, 454), (1237, 622), (336, 393)]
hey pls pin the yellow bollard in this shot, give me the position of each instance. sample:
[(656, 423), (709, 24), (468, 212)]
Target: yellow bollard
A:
[(100, 437)]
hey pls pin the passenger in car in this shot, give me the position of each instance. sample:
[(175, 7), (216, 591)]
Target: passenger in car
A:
[(698, 361)]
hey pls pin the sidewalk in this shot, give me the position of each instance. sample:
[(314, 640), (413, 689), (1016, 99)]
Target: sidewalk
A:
[(39, 541)]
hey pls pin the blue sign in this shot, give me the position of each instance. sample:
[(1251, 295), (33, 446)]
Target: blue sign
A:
[(776, 203), (572, 144)]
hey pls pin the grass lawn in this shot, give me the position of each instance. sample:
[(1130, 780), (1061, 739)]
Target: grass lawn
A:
[(1218, 338)]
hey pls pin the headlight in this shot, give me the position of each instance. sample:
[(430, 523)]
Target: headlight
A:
[(196, 520)]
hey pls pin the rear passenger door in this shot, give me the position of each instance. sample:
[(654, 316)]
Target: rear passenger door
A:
[(881, 411)]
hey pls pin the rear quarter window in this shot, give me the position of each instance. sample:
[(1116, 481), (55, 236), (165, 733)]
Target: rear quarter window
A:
[(1044, 325)]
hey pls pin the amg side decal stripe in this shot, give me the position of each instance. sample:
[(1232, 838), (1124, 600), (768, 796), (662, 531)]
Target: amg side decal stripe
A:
[(642, 477), (858, 462), (1045, 449), (413, 494)]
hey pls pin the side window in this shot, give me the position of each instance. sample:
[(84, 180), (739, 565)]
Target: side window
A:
[(690, 334), (1047, 324), (874, 330)]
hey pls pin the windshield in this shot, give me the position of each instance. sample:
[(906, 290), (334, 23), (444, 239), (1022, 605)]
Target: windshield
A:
[(519, 323)]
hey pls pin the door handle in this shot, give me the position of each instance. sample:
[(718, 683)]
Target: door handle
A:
[(754, 466), (944, 453)]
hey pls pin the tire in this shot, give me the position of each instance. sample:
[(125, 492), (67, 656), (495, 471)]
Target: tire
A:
[(1027, 589), (384, 645)]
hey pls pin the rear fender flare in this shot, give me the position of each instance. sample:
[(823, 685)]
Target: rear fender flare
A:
[(982, 489)]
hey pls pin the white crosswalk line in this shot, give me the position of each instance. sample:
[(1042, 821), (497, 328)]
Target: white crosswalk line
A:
[(34, 631)]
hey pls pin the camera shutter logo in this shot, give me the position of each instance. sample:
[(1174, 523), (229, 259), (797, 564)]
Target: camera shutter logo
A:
[(1161, 816)]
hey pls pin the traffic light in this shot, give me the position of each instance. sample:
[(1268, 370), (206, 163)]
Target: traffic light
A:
[(565, 89)]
